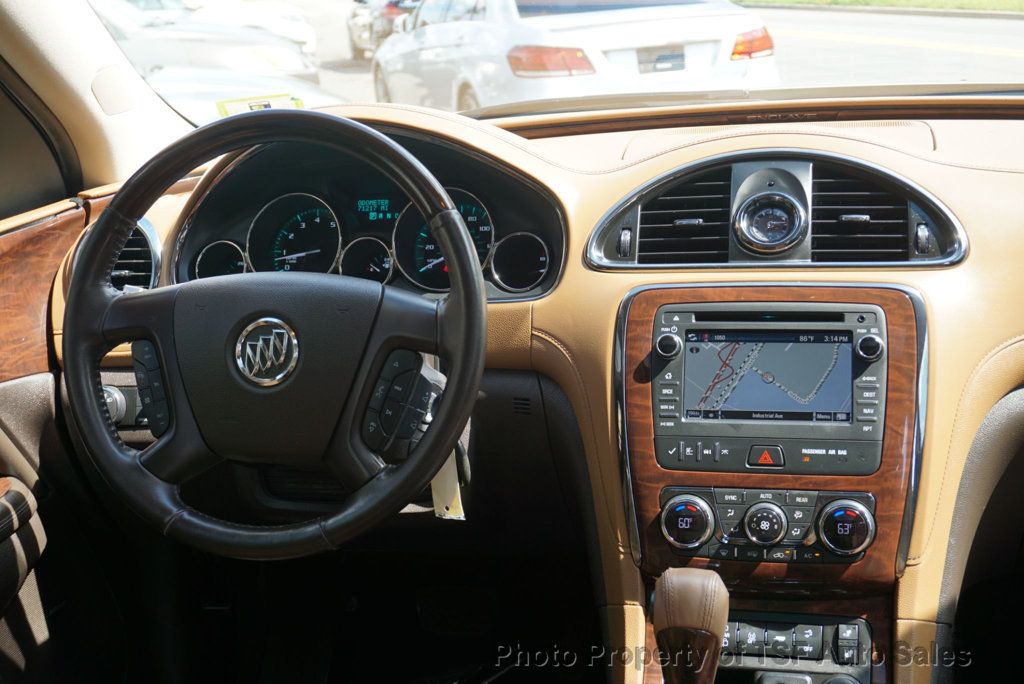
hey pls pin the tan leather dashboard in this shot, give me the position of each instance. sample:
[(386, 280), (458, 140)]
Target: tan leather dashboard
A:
[(976, 337)]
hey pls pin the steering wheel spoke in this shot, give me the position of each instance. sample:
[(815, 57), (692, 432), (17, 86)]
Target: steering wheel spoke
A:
[(180, 454), (147, 314), (407, 321)]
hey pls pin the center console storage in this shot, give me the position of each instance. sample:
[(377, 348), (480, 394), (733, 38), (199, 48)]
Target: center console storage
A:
[(770, 434)]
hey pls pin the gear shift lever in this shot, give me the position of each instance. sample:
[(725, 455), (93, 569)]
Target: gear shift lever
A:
[(691, 608)]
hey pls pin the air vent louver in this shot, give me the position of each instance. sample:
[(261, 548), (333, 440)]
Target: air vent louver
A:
[(856, 218), (688, 223), (134, 265)]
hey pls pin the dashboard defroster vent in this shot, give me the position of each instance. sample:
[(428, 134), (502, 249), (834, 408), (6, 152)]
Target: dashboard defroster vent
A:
[(855, 218), (137, 264), (688, 223)]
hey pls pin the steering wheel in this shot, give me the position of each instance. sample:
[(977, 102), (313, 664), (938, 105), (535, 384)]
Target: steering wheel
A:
[(271, 368)]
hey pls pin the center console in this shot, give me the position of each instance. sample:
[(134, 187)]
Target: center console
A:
[(770, 434)]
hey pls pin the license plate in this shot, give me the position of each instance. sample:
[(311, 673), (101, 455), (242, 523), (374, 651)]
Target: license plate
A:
[(662, 58)]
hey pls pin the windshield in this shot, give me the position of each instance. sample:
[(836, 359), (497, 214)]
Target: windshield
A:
[(214, 58)]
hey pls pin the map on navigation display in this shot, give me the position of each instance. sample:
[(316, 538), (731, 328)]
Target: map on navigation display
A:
[(799, 376)]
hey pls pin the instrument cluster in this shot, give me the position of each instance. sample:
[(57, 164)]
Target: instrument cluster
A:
[(318, 214)]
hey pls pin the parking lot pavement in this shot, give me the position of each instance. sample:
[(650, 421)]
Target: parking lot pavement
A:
[(861, 48), (812, 47)]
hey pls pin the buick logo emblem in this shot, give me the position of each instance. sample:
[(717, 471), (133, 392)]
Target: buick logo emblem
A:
[(267, 351)]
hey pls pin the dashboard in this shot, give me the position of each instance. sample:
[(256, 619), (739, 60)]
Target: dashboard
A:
[(646, 215), (292, 207)]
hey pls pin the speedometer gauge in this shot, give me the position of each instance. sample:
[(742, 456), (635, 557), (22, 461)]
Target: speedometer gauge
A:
[(419, 256), (296, 232)]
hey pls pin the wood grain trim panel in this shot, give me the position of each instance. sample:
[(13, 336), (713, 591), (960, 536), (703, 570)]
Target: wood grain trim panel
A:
[(876, 571), (876, 610), (29, 260)]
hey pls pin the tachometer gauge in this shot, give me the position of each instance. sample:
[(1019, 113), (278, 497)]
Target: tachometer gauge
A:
[(367, 257), (222, 257), (296, 232), (419, 256)]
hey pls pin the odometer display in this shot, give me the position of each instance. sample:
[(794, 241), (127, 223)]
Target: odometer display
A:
[(295, 232), (419, 256)]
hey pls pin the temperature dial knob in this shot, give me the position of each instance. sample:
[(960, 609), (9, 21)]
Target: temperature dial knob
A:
[(687, 521), (765, 524), (846, 527)]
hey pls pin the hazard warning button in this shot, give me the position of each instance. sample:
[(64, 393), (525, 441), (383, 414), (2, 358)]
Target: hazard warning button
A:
[(766, 457)]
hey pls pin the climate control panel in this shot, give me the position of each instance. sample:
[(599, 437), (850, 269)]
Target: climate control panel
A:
[(771, 525)]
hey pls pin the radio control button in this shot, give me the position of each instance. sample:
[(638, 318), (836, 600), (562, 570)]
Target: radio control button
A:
[(766, 457), (668, 346), (870, 347)]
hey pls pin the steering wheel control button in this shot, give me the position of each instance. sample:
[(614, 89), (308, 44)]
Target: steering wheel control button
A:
[(766, 457), (400, 361), (765, 524), (144, 354), (402, 386), (159, 418), (846, 527), (687, 521), (267, 351), (380, 393), (390, 415), (373, 435)]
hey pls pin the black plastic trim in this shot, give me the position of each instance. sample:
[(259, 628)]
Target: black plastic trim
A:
[(48, 125)]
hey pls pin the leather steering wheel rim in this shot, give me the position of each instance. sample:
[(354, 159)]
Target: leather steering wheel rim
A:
[(98, 317)]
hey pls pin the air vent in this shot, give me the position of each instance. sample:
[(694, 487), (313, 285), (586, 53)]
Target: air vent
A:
[(856, 218), (136, 265), (522, 405), (688, 223)]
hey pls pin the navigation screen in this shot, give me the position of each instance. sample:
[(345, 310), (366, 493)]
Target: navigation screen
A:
[(768, 375)]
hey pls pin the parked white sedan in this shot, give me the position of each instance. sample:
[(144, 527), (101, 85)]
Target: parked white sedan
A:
[(465, 54)]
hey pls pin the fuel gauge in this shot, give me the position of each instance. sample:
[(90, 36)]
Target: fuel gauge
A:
[(367, 257)]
